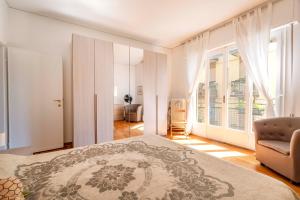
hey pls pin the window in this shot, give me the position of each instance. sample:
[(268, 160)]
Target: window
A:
[(259, 105), (215, 90), (236, 91), (201, 102), (201, 98)]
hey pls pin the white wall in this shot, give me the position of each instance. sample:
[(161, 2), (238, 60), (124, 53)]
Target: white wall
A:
[(138, 82), (297, 67), (50, 36), (121, 81), (179, 82), (3, 37), (3, 21)]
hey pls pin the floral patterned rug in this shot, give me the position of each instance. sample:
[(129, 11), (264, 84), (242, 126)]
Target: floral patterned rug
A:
[(149, 167)]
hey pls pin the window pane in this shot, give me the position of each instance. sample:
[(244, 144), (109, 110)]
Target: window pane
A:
[(259, 105), (215, 90), (201, 102), (237, 88)]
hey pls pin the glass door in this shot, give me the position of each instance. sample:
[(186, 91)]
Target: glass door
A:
[(216, 90), (236, 92), (228, 108)]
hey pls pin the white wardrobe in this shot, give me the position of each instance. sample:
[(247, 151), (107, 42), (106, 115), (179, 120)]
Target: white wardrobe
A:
[(93, 91)]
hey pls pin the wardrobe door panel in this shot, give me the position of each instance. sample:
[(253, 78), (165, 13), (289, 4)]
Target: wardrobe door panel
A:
[(104, 90), (83, 90), (3, 103), (149, 89), (162, 92)]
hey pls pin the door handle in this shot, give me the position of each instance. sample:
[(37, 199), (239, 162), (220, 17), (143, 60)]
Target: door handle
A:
[(59, 101), (96, 117)]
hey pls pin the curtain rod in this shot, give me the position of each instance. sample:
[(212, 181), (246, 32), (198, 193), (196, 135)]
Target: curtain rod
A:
[(226, 22)]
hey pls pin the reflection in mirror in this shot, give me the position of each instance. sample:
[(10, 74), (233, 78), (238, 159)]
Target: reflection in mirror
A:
[(128, 91), (135, 110)]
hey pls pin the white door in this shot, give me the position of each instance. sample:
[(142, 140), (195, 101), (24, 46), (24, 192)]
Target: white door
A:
[(227, 94), (35, 95)]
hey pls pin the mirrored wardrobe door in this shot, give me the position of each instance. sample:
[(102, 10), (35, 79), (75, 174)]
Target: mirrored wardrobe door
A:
[(136, 110), (122, 98)]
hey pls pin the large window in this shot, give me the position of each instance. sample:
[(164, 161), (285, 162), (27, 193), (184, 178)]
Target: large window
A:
[(236, 91)]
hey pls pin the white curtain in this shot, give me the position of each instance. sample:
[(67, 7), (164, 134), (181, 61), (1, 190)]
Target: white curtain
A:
[(195, 55), (252, 34), (290, 80)]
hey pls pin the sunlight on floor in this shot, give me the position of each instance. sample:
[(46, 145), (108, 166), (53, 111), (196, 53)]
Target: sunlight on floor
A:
[(190, 142), (212, 149), (207, 147), (139, 127), (179, 137), (225, 154)]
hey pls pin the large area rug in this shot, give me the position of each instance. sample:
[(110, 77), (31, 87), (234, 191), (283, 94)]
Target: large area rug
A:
[(149, 167)]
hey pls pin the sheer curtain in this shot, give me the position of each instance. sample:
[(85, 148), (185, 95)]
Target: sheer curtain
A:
[(195, 55), (290, 80), (252, 34)]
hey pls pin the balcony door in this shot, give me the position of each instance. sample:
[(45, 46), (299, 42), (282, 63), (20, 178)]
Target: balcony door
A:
[(223, 98)]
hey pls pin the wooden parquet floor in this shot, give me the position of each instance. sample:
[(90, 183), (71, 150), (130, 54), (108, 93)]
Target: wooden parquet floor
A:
[(239, 156)]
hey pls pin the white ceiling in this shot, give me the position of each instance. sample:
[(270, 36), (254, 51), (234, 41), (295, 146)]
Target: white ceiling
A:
[(160, 22)]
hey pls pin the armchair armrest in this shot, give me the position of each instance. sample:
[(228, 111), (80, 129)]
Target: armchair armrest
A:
[(295, 155), (295, 145)]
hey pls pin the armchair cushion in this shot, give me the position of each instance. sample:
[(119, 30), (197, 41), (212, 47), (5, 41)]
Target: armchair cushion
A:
[(279, 146)]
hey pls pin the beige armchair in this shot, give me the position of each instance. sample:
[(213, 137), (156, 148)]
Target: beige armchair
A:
[(277, 142), (134, 113)]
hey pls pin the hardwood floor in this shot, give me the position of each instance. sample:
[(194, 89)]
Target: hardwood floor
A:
[(123, 129), (239, 156)]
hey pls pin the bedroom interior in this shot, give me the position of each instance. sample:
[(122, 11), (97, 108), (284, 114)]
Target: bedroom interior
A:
[(134, 99)]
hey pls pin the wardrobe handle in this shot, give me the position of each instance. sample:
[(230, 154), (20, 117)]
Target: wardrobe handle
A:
[(156, 109), (95, 115)]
